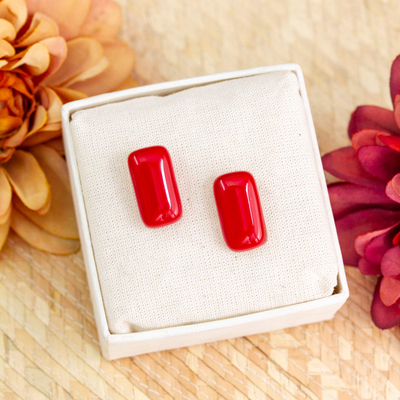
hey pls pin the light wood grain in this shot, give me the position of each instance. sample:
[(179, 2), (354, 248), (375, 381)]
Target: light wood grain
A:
[(49, 347)]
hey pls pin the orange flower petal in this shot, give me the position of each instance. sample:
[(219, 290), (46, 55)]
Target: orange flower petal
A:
[(97, 69), (41, 27), (5, 94), (56, 126), (27, 78), (41, 137), (15, 105), (128, 83), (44, 210), (6, 154), (7, 30), (4, 229), (18, 137), (68, 14), (122, 61), (66, 95), (27, 179), (35, 59), (15, 12), (7, 79), (6, 50), (57, 47), (60, 219), (39, 238), (82, 53), (39, 120), (104, 19), (9, 123), (57, 144), (4, 112), (6, 216), (21, 86), (42, 97), (52, 103), (5, 193)]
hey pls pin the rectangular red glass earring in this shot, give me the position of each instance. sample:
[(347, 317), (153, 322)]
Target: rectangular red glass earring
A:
[(155, 186), (239, 210)]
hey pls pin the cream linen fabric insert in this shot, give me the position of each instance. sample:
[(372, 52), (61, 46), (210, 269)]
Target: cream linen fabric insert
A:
[(184, 273)]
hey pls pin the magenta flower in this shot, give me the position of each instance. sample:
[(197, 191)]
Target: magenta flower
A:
[(366, 207)]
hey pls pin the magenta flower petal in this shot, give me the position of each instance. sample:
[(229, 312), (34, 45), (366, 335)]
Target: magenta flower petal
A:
[(396, 239), (344, 164), (391, 193), (372, 117), (379, 245), (390, 141), (364, 240), (358, 223), (395, 78), (384, 317), (381, 162), (367, 268), (396, 111), (396, 183), (390, 290), (391, 262), (346, 198), (366, 137)]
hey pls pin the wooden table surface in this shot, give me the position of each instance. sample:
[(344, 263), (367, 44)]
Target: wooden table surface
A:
[(49, 347)]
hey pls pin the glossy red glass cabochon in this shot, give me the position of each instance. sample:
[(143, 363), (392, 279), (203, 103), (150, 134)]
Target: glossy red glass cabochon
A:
[(155, 186), (239, 210)]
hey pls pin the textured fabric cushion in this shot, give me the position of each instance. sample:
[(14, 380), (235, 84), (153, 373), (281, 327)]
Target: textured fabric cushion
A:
[(184, 273)]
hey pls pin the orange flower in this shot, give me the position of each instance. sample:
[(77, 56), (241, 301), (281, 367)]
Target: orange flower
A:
[(51, 52)]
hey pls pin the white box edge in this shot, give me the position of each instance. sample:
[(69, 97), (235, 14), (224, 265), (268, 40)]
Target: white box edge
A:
[(126, 345)]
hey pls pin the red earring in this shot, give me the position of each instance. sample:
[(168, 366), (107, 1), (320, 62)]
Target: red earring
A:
[(239, 210), (155, 186)]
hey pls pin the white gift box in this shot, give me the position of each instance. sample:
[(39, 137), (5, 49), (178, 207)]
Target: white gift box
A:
[(177, 286)]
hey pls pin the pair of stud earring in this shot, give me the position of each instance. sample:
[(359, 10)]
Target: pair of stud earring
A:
[(235, 193)]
